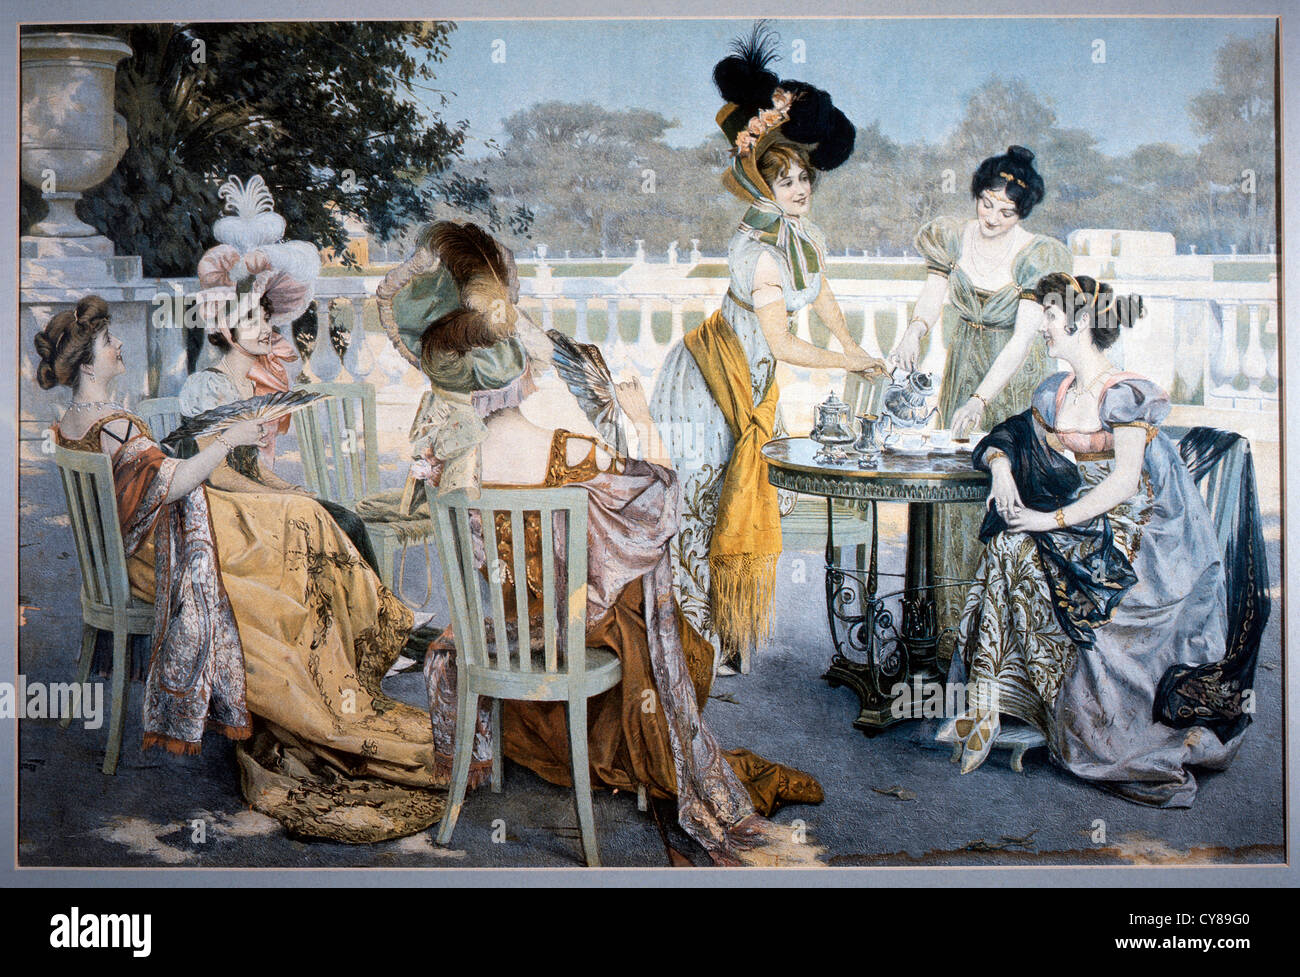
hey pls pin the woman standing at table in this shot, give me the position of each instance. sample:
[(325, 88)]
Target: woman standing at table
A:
[(715, 402), (982, 274)]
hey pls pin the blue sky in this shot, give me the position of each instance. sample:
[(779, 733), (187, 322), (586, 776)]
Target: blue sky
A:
[(912, 75)]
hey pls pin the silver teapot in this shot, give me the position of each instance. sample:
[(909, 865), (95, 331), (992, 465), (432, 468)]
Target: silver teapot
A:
[(906, 400), (832, 428)]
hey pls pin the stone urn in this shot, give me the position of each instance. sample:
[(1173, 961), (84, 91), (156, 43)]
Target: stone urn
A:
[(71, 136)]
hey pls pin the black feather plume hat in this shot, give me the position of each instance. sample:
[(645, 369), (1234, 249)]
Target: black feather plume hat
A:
[(762, 109)]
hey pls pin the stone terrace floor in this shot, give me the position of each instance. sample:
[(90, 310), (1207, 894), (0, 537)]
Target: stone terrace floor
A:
[(72, 815)]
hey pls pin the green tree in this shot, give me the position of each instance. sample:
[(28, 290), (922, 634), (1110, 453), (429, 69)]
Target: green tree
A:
[(1239, 158), (326, 112)]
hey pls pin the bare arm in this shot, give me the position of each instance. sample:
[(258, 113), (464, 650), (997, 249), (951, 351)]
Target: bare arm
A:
[(769, 305), (1028, 318), (631, 397), (192, 472), (1121, 484), (926, 312)]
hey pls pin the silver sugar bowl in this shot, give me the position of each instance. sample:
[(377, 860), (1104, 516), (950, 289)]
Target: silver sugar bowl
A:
[(832, 429)]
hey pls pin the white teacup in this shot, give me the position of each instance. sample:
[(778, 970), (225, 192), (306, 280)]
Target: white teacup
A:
[(911, 442), (940, 440)]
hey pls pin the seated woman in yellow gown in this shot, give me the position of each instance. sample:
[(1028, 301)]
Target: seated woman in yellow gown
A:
[(263, 609)]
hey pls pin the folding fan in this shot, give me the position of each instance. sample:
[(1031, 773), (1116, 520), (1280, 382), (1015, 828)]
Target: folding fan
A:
[(263, 409), (584, 371)]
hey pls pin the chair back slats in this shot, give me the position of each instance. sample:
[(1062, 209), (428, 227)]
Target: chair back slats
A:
[(549, 624), (495, 577), (564, 579), (576, 589), (518, 552), (94, 524), (162, 414), (456, 565), (338, 441), (87, 478)]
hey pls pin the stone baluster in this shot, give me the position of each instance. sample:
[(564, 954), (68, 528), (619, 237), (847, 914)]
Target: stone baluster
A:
[(359, 359), (580, 320), (647, 350), (612, 337), (1271, 329), (1254, 364), (678, 328), (1227, 359), (548, 313), (870, 338), (936, 357), (324, 360)]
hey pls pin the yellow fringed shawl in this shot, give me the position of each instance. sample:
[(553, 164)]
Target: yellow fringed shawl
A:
[(746, 542)]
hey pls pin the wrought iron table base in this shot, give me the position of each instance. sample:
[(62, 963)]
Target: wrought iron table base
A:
[(861, 623)]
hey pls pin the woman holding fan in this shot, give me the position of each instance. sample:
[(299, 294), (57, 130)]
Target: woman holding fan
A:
[(263, 609)]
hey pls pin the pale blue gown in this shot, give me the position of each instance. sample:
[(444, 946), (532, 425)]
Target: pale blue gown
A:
[(696, 435)]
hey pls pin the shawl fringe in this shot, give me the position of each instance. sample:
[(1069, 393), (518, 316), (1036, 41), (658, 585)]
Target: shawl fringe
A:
[(742, 590)]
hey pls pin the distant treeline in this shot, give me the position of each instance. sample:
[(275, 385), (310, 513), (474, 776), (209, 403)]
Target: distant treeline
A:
[(596, 180)]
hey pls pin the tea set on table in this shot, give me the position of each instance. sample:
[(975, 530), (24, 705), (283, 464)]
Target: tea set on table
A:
[(905, 412)]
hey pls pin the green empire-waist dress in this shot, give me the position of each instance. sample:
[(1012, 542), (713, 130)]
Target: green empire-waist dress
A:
[(977, 324)]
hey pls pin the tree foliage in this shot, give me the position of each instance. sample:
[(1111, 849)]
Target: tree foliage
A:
[(327, 113)]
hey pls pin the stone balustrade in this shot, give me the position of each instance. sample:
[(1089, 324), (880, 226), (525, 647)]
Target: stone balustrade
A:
[(1213, 344)]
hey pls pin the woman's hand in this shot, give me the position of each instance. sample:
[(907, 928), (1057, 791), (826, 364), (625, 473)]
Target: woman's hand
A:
[(858, 360), (1032, 521), (967, 416), (1003, 495), (908, 349), (632, 398), (246, 432)]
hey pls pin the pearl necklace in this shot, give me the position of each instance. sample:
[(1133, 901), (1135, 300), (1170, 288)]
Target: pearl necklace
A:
[(1090, 388), (984, 266), (94, 405)]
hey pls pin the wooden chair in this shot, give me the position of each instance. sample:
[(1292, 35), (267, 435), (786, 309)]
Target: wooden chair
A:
[(562, 670), (337, 438), (106, 601), (162, 414)]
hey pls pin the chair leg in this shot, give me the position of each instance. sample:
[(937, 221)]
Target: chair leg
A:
[(83, 668), (577, 710), (466, 715), (497, 760), (642, 801), (117, 721)]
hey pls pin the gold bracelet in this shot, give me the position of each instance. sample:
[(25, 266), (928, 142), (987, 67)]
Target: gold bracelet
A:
[(981, 400), (917, 318), (1060, 518), (221, 438)]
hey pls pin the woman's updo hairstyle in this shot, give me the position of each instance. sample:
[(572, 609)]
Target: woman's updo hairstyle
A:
[(67, 343), (1013, 172), (1109, 311)]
